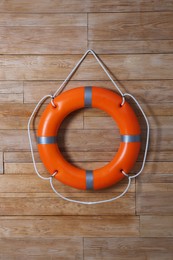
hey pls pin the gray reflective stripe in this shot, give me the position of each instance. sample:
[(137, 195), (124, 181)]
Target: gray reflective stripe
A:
[(89, 180), (130, 138), (88, 97), (46, 140)]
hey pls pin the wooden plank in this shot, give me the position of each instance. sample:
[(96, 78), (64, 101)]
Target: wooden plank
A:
[(65, 226), (19, 168), (104, 140), (27, 168), (36, 40), (90, 140), (31, 186), (147, 92), (1, 162), (71, 156), (120, 26), (131, 47), (11, 91), (164, 142), (41, 248), (53, 206), (42, 20), (16, 116), (20, 157), (11, 98), (162, 156), (27, 183), (156, 125), (57, 67), (160, 172), (8, 140), (156, 226), (89, 156), (126, 5), (99, 123), (63, 6), (108, 122), (150, 109), (34, 31), (154, 187), (73, 121), (154, 198), (11, 87), (125, 248)]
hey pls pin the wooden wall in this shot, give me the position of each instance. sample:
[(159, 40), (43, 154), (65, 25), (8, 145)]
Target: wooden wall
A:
[(40, 42)]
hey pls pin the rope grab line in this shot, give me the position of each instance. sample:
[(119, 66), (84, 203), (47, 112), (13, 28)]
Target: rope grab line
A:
[(62, 86)]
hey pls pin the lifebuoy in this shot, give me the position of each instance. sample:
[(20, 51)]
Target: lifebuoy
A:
[(70, 101)]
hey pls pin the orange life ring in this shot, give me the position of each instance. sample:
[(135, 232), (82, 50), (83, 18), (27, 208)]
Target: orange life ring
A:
[(70, 101)]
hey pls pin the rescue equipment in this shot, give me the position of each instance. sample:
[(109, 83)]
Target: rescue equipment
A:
[(78, 98), (117, 107)]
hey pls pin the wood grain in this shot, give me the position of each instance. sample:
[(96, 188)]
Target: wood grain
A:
[(27, 168), (43, 40), (65, 226), (11, 91), (42, 248), (57, 6), (95, 122), (120, 26), (151, 109), (57, 67), (154, 174), (16, 116), (154, 198), (46, 205), (156, 226), (97, 140), (148, 92), (72, 156), (42, 20), (131, 46), (124, 248), (19, 185), (43, 34), (162, 156), (8, 140), (159, 172), (89, 156)]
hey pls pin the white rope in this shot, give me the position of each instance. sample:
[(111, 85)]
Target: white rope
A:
[(51, 177), (147, 136), (90, 202), (62, 86), (29, 134), (129, 177)]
